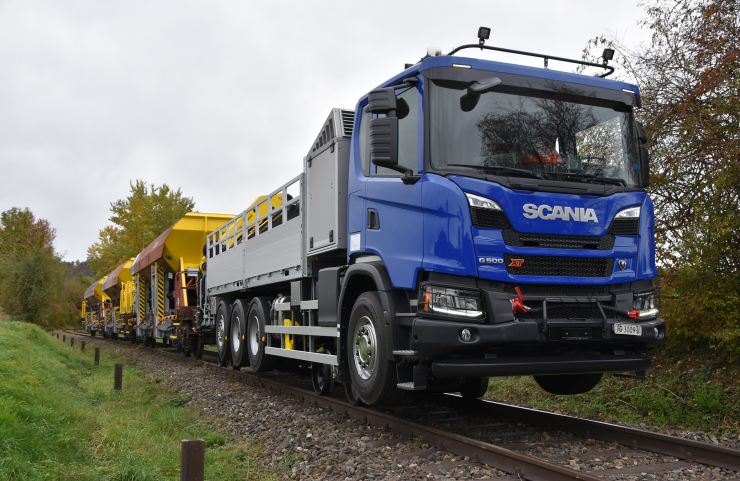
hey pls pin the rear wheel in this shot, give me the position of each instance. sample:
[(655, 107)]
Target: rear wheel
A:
[(322, 378), (256, 319), (373, 373), (473, 387), (199, 349), (222, 333), (566, 384), (238, 335)]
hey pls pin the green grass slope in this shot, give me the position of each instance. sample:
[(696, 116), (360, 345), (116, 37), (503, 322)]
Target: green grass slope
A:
[(61, 419)]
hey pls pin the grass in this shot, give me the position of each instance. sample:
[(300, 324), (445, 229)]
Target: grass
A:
[(695, 391), (61, 419)]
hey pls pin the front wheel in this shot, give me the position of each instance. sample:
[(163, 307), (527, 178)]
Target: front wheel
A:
[(373, 373), (473, 387), (567, 384)]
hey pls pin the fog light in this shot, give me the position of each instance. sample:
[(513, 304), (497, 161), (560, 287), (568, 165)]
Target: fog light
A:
[(657, 333), (465, 335)]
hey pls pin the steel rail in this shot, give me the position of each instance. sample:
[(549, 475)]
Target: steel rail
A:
[(526, 467), (498, 457), (686, 449)]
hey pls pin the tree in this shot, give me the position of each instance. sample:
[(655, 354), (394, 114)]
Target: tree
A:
[(138, 220), (32, 276), (689, 77), (20, 231), (31, 285)]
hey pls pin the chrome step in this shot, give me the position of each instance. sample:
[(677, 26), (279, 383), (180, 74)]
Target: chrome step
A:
[(406, 353), (409, 386)]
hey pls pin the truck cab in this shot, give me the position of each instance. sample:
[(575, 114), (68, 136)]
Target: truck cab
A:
[(508, 203)]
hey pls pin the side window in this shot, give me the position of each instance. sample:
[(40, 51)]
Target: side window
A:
[(364, 154), (408, 132)]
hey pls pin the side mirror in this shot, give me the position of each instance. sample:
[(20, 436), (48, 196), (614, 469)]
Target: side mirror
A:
[(384, 141), (384, 130), (644, 166)]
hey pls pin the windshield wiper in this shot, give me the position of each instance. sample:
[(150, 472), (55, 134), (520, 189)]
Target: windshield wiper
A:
[(499, 168), (605, 180)]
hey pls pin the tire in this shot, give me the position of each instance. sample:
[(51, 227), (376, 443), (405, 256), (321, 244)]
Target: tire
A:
[(568, 384), (223, 315), (238, 331), (352, 396), (199, 349), (473, 388), (259, 309), (322, 378), (373, 373)]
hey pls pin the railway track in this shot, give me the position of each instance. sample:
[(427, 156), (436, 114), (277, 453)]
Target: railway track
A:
[(526, 443)]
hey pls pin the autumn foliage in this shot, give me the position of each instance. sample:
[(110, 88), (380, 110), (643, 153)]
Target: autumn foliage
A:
[(689, 78)]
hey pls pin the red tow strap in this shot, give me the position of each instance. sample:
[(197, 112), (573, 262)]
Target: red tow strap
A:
[(518, 304)]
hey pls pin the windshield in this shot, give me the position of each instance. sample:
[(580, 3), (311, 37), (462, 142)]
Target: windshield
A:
[(524, 136)]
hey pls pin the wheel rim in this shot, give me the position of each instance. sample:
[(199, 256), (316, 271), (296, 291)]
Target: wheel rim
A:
[(319, 373), (364, 350), (254, 335), (220, 331), (236, 334)]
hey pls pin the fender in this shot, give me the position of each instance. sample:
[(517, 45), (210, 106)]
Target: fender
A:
[(392, 300)]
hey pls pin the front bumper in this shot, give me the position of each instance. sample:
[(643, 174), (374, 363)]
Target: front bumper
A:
[(434, 339), (534, 365)]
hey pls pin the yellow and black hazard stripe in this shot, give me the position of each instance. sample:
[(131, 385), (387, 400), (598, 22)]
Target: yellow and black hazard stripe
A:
[(160, 293), (142, 299)]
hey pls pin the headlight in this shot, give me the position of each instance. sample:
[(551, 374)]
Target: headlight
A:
[(451, 301), (482, 202), (647, 304), (631, 213)]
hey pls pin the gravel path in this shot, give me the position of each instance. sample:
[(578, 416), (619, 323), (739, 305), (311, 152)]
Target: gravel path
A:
[(307, 442)]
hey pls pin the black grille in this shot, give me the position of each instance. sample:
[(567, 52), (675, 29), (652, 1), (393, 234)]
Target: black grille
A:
[(525, 265), (557, 290), (625, 227), (493, 219), (554, 312), (549, 241)]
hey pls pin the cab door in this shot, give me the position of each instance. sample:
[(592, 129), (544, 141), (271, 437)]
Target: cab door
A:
[(393, 219)]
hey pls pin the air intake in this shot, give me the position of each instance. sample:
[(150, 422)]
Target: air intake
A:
[(348, 120), (343, 120)]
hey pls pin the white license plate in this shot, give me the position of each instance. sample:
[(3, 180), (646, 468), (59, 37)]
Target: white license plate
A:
[(628, 329)]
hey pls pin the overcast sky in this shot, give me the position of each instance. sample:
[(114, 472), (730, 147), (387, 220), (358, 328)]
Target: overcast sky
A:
[(220, 98)]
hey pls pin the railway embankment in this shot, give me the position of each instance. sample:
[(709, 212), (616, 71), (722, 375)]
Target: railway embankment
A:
[(60, 418)]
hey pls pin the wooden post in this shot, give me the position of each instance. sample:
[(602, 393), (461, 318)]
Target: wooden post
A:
[(192, 460), (97, 356), (71, 342), (118, 377), (57, 335), (82, 346), (64, 338)]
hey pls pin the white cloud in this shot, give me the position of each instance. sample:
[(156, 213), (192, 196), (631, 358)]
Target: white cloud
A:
[(222, 99)]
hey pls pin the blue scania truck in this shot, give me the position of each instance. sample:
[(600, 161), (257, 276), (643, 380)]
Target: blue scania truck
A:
[(469, 219)]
